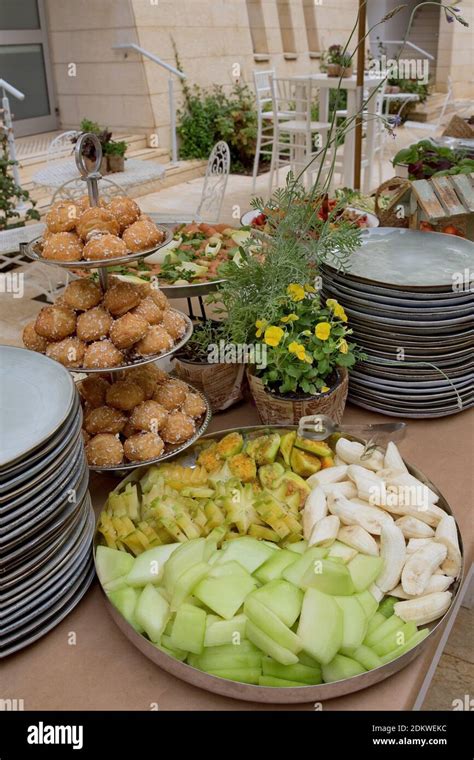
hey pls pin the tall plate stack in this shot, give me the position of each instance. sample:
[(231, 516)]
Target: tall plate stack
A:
[(46, 518), (409, 301)]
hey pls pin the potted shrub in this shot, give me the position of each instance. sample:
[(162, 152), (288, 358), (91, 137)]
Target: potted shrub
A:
[(307, 359), (88, 149), (221, 382), (337, 63), (115, 154)]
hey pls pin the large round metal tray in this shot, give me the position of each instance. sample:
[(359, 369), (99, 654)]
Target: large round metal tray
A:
[(265, 694), (34, 248), (142, 359), (170, 450)]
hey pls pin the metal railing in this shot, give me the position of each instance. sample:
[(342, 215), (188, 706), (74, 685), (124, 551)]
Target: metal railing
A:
[(8, 123), (172, 72), (407, 43)]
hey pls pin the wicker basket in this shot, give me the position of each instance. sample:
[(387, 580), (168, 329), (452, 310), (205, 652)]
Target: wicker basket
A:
[(396, 188), (277, 409), (222, 384), (459, 127)]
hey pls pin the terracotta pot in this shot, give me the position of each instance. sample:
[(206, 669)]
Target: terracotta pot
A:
[(346, 72), (222, 384), (288, 411), (116, 163), (91, 164), (334, 70)]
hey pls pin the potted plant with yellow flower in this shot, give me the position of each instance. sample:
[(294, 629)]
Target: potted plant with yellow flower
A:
[(308, 353)]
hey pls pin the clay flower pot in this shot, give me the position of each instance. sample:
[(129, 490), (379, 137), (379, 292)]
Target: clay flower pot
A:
[(334, 70)]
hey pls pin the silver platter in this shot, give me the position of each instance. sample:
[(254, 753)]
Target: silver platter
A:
[(280, 695), (140, 361), (170, 450), (189, 291), (34, 248)]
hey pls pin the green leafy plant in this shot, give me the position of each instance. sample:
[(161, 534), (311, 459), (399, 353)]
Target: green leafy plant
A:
[(105, 139), (424, 160), (115, 148), (205, 333), (306, 342), (11, 194)]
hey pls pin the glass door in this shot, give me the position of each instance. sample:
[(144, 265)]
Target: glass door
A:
[(24, 63)]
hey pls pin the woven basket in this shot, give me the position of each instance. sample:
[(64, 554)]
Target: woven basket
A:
[(395, 188), (277, 409), (222, 384), (459, 127)]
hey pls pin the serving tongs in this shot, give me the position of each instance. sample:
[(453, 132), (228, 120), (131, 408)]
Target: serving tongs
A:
[(317, 427)]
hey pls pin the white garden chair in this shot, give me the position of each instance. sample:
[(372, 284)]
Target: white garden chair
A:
[(61, 146), (263, 98), (77, 188)]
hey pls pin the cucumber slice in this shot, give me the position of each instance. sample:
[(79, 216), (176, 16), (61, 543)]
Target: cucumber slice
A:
[(186, 583), (329, 577), (340, 668), (112, 564), (247, 551), (321, 626), (269, 623), (148, 567), (354, 622), (273, 567), (272, 681), (220, 632), (283, 599), (364, 569), (269, 646), (297, 672), (189, 628), (367, 657), (185, 556), (295, 572)]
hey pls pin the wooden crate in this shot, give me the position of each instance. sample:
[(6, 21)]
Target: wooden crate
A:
[(443, 201)]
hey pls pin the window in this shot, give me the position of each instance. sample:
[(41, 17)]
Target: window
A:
[(311, 27), (257, 27), (286, 26)]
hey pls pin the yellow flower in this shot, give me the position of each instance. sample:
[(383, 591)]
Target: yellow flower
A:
[(260, 324), (296, 292), (322, 330), (337, 309), (297, 349), (324, 389), (309, 288), (332, 304), (289, 318), (273, 335), (343, 347)]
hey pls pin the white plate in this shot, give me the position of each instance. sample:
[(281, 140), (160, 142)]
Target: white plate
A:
[(36, 395)]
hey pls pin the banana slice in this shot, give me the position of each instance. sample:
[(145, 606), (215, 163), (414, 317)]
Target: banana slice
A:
[(352, 452), (411, 527), (447, 534), (369, 486), (420, 566), (325, 531), (416, 543), (424, 609), (315, 509), (393, 553), (345, 488), (358, 538), (352, 513), (401, 501), (393, 459), (436, 583), (414, 488), (328, 475)]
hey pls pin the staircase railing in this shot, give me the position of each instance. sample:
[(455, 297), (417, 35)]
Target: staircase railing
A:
[(407, 43), (8, 123), (173, 72)]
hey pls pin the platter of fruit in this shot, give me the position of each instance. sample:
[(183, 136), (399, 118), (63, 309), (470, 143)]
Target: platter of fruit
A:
[(273, 568)]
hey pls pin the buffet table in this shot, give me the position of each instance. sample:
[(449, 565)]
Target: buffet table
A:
[(86, 663)]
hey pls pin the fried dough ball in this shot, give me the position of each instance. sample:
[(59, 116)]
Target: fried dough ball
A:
[(158, 297), (55, 322), (149, 415), (159, 375), (63, 246), (102, 354), (174, 323), (178, 428), (144, 377), (121, 297), (128, 430), (127, 330), (142, 235), (124, 395), (125, 210), (83, 202), (96, 221), (104, 450), (104, 419), (62, 216), (82, 294), (69, 352), (93, 324), (93, 389), (194, 405), (32, 340), (149, 311), (155, 341), (171, 394), (104, 247), (143, 446)]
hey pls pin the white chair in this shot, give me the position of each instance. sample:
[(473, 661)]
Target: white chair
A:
[(76, 188), (61, 146), (374, 143), (297, 138), (263, 98)]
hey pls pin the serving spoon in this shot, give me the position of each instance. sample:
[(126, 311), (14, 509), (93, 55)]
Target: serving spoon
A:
[(319, 426)]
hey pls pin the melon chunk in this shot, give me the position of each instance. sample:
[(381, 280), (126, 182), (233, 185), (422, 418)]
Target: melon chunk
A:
[(416, 639), (272, 681), (283, 599), (247, 551), (186, 555), (354, 622), (225, 589), (321, 626), (297, 672), (243, 655), (244, 675), (125, 600), (389, 626), (273, 567), (112, 564), (152, 612), (328, 576), (149, 566), (186, 582), (367, 602), (340, 668), (367, 657), (220, 632), (269, 623), (269, 646), (395, 639), (189, 628), (295, 572), (364, 569)]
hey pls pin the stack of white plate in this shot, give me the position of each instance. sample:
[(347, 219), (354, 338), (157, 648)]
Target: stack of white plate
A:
[(408, 299), (46, 518)]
